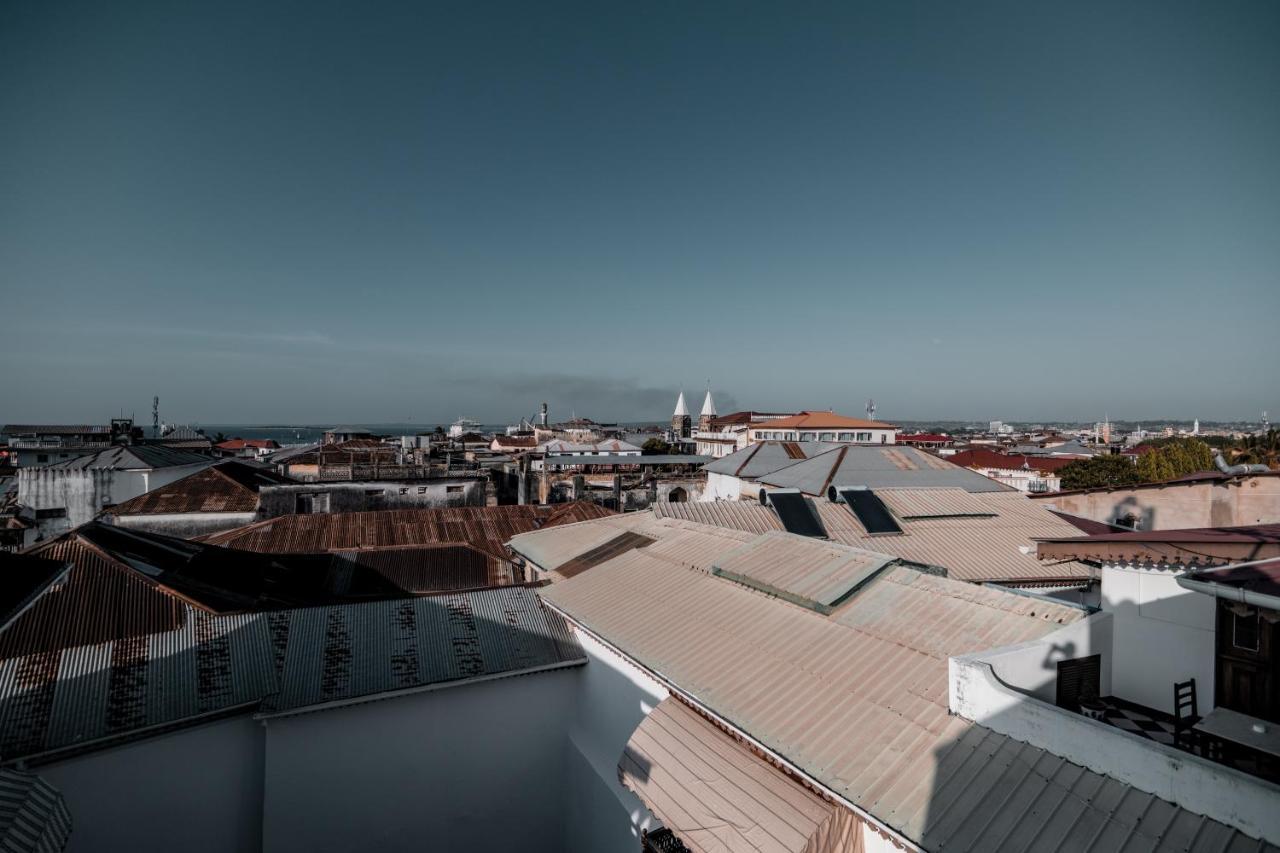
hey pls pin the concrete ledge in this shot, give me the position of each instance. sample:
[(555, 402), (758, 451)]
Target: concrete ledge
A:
[(1236, 799)]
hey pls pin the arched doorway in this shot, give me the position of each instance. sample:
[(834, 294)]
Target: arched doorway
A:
[(677, 495)]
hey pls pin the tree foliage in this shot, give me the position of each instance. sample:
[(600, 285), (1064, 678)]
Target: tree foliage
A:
[(655, 447), (1261, 449), (1099, 472), (1173, 458)]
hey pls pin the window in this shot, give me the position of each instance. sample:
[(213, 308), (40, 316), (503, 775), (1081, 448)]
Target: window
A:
[(453, 490), (846, 436), (404, 490), (42, 457), (422, 490), (864, 436), (828, 436), (1244, 631), (53, 512)]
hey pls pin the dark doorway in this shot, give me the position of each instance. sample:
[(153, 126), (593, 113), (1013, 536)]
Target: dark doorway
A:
[(677, 496), (1248, 668)]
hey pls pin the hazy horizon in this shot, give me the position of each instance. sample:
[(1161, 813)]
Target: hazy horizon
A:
[(387, 212)]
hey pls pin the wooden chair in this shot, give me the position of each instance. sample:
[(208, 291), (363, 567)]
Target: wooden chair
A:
[(1185, 714)]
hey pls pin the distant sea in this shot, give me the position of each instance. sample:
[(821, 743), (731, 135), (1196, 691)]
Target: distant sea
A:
[(309, 433)]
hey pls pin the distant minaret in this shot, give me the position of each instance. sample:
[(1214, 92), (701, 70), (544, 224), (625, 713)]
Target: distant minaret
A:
[(681, 421), (707, 414)]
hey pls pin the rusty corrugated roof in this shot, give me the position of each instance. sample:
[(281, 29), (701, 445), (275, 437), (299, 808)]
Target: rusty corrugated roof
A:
[(857, 701), (423, 569), (486, 528), (225, 487)]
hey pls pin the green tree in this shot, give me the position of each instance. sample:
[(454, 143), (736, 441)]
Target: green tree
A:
[(1173, 458), (655, 447), (1099, 472), (1261, 449)]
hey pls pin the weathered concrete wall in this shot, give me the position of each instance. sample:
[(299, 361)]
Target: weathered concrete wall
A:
[(360, 496), (184, 525), (1245, 500)]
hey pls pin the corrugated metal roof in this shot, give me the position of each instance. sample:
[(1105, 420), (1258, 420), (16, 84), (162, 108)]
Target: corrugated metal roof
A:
[(972, 548), (23, 579), (858, 702), (877, 467), (933, 503), (800, 569), (486, 528), (434, 568), (135, 456), (33, 816), (71, 697), (716, 795), (765, 457), (551, 548), (338, 654), (224, 487)]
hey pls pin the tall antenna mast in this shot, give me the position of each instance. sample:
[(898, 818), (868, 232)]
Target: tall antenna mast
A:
[(871, 410), (155, 417)]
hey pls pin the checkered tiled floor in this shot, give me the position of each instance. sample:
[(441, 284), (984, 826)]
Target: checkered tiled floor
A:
[(1138, 723)]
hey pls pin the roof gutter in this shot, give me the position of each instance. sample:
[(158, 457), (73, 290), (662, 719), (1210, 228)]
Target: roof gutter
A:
[(1197, 582), (884, 829)]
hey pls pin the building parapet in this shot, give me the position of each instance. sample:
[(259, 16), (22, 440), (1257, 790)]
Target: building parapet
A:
[(1018, 708)]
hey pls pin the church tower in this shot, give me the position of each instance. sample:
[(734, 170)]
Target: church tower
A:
[(681, 421), (708, 413)]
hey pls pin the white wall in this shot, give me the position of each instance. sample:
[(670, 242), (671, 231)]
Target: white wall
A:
[(1033, 667), (478, 767), (184, 525), (721, 487), (198, 789), (1163, 634), (613, 697)]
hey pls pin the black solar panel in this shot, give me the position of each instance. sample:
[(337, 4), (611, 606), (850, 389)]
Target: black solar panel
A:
[(871, 511), (796, 514)]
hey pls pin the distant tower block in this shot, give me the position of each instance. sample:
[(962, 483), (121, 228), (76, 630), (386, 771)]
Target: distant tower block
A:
[(681, 421), (708, 413)]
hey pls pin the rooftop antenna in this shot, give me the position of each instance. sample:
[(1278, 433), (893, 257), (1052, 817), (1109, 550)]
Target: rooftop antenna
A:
[(871, 410), (155, 417)]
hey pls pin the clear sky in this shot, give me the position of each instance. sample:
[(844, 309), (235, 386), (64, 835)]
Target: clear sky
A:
[(372, 212)]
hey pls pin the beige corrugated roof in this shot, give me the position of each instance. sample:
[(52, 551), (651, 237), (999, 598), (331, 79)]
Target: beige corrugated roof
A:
[(970, 548), (858, 702), (809, 572), (716, 795), (934, 503)]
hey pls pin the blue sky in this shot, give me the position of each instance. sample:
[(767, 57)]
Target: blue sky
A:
[(381, 211)]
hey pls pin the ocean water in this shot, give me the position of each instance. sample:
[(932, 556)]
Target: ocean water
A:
[(311, 433)]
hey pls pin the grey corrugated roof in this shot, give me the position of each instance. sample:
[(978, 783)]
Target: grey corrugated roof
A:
[(135, 456), (765, 457), (56, 700), (33, 816), (339, 654), (878, 467)]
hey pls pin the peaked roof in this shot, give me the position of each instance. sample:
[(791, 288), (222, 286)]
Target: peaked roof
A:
[(25, 578), (225, 487), (822, 420), (708, 405), (134, 456), (486, 528), (681, 409), (877, 466), (765, 457)]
